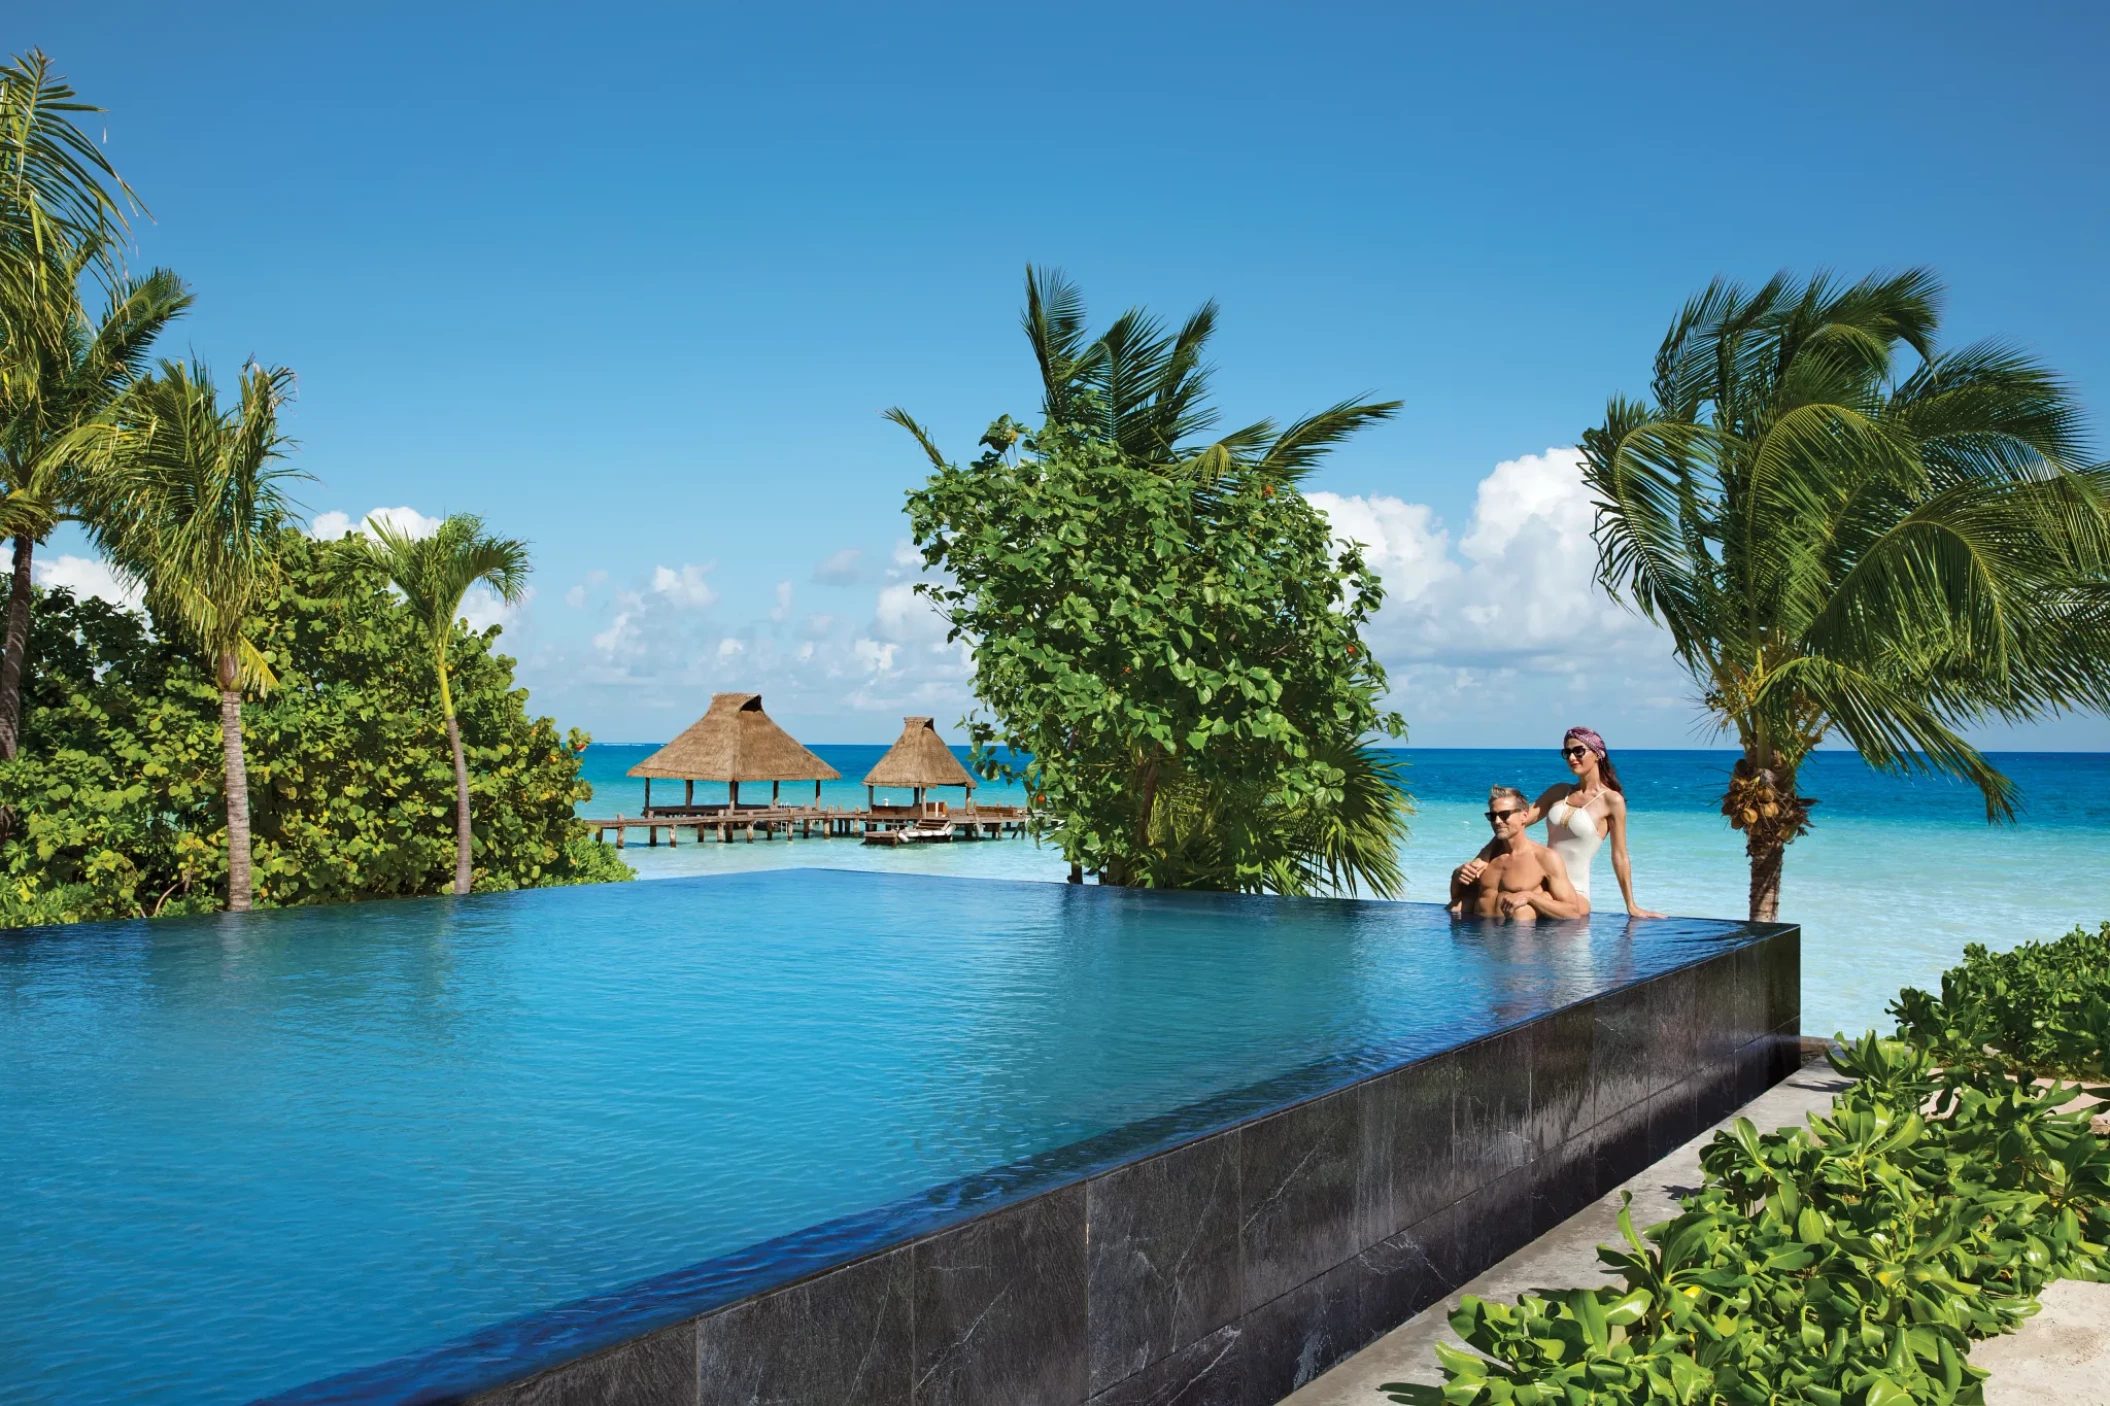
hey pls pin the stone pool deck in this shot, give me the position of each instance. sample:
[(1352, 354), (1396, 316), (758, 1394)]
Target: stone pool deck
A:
[(2060, 1358)]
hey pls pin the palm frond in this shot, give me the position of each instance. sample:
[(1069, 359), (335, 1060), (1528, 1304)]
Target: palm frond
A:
[(1891, 726), (56, 186), (906, 421), (1054, 325), (1300, 446)]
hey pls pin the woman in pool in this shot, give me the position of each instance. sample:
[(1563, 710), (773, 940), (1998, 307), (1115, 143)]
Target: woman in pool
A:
[(1582, 814)]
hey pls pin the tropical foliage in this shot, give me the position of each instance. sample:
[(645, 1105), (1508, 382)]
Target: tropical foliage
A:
[(120, 782), (434, 573), (1852, 1262), (1162, 623), (2042, 1007), (1850, 531)]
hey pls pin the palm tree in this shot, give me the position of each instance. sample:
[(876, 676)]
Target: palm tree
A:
[(1144, 390), (57, 189), (60, 372), (191, 508), (1849, 531), (434, 573)]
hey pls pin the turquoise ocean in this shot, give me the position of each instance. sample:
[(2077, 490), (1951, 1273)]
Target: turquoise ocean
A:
[(1898, 875)]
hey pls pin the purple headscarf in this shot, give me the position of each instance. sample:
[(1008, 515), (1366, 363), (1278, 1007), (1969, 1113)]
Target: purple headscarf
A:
[(1588, 739)]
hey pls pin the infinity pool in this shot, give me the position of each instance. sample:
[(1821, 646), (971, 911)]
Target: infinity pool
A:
[(242, 1154)]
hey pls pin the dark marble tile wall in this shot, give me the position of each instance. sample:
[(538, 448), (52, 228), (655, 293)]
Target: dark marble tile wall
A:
[(1234, 1268)]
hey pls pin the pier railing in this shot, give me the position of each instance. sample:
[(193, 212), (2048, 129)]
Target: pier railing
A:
[(932, 820)]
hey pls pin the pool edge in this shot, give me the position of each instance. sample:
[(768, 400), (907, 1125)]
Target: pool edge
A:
[(1229, 1265)]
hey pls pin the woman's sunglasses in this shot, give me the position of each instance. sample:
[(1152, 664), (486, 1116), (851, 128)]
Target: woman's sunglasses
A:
[(1573, 752)]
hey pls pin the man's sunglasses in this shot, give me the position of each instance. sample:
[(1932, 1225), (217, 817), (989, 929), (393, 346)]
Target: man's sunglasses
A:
[(1497, 816)]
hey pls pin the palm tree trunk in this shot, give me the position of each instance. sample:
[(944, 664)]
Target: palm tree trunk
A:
[(1767, 861), (238, 876), (17, 646), (461, 807)]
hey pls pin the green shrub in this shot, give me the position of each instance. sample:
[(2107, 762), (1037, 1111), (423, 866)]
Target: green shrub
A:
[(1848, 1263), (2042, 1007), (117, 795)]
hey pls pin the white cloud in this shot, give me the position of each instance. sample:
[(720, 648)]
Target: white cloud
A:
[(482, 608), (781, 611), (817, 627), (729, 646), (876, 657), (332, 525), (623, 639), (1511, 624), (685, 589), (85, 576), (1521, 586), (841, 569), (576, 596), (408, 521), (902, 614), (1402, 542)]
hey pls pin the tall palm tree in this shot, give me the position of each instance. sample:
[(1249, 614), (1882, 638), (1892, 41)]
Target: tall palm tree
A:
[(434, 573), (60, 372), (1849, 531), (191, 509)]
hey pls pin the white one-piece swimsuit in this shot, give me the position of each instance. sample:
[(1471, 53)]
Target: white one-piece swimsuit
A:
[(1571, 833)]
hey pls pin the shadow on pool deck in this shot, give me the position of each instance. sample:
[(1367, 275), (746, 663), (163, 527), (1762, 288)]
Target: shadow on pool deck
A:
[(2060, 1358)]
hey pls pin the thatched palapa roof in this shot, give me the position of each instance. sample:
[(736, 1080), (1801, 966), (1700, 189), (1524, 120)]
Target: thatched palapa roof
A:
[(919, 758), (735, 741)]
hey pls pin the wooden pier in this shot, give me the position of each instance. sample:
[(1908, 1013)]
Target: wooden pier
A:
[(873, 825)]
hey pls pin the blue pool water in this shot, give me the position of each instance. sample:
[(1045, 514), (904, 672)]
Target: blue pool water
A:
[(248, 1152), (1899, 873)]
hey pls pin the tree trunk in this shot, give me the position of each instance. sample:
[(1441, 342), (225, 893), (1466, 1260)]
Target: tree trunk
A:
[(461, 807), (17, 646), (1763, 803), (1766, 864), (238, 877)]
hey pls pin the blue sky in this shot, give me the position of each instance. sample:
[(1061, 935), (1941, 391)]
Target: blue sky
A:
[(635, 284)]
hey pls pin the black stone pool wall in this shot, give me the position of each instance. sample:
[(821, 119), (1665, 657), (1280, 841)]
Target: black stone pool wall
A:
[(1233, 1268)]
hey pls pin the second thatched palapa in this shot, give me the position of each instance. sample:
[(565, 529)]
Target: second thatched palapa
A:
[(919, 759), (734, 742)]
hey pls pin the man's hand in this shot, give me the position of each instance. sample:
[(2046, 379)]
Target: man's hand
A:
[(1470, 871), (1515, 903)]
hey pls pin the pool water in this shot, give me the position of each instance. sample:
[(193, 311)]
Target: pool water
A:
[(244, 1153)]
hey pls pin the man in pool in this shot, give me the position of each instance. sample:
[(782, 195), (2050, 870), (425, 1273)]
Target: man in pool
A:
[(1522, 880)]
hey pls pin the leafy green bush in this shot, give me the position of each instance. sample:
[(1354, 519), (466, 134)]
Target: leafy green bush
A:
[(1848, 1263), (2042, 1007), (117, 794)]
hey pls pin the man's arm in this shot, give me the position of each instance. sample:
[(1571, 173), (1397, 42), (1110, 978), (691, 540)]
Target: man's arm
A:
[(1560, 900), (1461, 885)]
